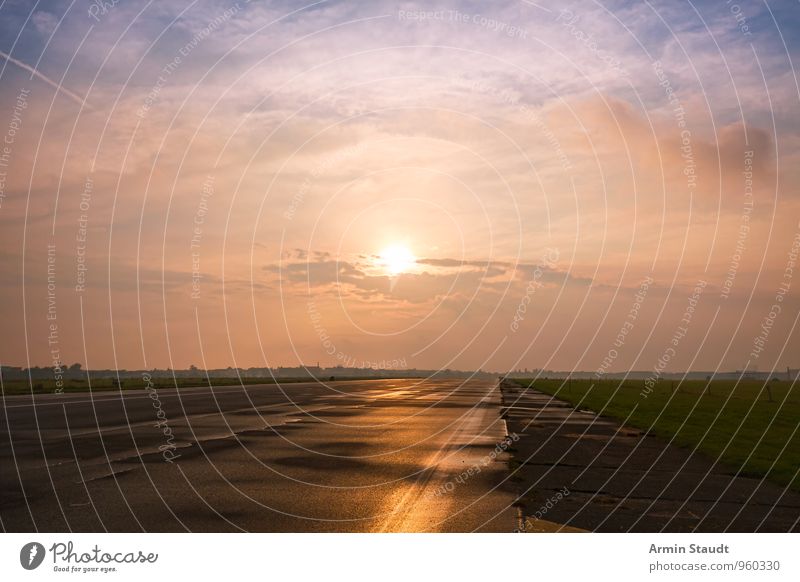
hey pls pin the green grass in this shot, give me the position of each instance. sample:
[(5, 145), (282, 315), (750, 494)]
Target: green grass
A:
[(11, 387), (748, 431)]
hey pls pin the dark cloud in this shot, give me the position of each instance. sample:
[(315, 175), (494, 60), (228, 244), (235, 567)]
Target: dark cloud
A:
[(451, 278)]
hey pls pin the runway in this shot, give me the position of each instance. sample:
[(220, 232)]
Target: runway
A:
[(361, 456)]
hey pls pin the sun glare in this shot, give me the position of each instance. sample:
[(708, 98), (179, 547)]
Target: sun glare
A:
[(396, 259)]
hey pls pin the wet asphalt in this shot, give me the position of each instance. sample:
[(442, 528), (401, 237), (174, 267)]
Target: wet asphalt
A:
[(575, 469), (362, 456)]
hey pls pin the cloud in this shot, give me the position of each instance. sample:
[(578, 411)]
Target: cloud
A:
[(44, 22), (456, 279), (57, 86)]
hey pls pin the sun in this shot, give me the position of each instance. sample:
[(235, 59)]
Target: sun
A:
[(396, 259)]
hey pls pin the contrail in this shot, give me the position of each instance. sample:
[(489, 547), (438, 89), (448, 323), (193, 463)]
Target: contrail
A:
[(74, 96)]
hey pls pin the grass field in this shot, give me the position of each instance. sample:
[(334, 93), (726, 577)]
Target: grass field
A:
[(11, 387), (742, 424)]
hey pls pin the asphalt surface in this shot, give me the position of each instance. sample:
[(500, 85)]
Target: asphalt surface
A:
[(362, 456), (575, 469)]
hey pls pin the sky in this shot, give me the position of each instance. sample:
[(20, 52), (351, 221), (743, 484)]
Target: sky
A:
[(594, 186)]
